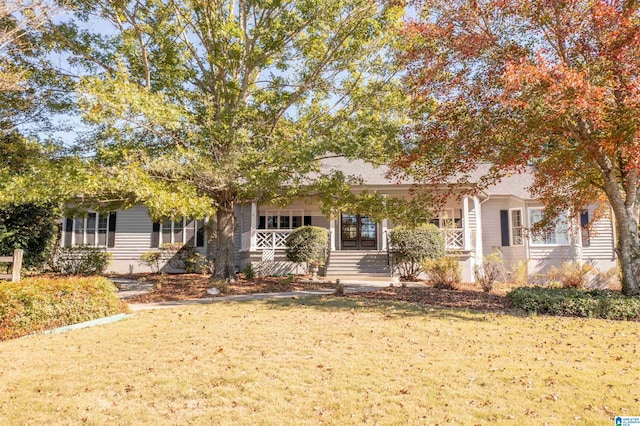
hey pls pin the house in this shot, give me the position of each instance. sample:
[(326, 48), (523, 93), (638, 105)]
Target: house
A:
[(473, 226)]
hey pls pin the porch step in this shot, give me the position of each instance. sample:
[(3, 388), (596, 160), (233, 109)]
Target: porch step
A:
[(358, 263)]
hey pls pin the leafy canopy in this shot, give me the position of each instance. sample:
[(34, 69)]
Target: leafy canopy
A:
[(553, 84)]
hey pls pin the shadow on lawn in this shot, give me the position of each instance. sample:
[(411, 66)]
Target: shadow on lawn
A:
[(401, 302)]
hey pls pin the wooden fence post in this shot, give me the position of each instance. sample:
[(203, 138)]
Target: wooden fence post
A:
[(17, 265)]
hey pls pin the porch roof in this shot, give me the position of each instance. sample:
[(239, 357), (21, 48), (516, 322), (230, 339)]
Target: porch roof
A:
[(515, 185)]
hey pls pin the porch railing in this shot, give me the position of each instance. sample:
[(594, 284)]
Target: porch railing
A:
[(274, 239), (453, 238), (271, 238)]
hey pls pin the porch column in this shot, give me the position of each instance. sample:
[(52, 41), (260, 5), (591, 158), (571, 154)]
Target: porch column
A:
[(332, 233), (384, 234), (254, 221), (478, 209), (465, 222)]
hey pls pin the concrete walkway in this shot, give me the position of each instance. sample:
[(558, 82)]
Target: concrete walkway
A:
[(131, 288)]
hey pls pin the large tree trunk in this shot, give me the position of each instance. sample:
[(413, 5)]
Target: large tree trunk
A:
[(629, 253), (224, 267)]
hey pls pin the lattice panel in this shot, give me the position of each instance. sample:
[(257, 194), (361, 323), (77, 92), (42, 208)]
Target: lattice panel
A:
[(264, 240), (454, 239), (279, 240)]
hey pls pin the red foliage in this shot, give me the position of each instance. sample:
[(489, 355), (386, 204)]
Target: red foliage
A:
[(552, 83)]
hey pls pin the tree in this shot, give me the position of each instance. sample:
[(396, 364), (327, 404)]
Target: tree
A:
[(549, 83), (16, 16), (28, 226), (201, 104)]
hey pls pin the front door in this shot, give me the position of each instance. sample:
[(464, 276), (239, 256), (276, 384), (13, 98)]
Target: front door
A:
[(358, 232)]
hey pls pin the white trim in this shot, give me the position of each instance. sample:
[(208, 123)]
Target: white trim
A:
[(511, 234), (332, 234), (477, 206), (84, 219), (254, 226), (383, 233), (184, 232), (465, 222)]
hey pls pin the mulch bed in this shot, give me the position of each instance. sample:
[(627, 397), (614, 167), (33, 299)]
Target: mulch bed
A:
[(429, 296), (193, 286), (172, 287)]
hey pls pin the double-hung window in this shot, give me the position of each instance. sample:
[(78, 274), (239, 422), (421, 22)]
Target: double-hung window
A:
[(185, 231), (516, 226), (283, 220), (94, 229), (558, 235)]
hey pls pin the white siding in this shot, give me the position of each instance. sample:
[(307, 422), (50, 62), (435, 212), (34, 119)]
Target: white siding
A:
[(602, 241)]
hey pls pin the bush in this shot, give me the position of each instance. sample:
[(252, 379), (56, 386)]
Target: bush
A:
[(85, 260), (443, 272), (177, 255), (180, 256), (490, 270), (307, 244), (31, 228), (249, 272), (37, 304), (412, 246), (605, 280), (520, 273), (575, 302), (571, 274), (151, 259)]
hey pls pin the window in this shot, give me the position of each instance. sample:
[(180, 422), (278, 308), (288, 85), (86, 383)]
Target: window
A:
[(516, 226), (94, 229), (585, 230), (186, 231), (448, 218), (556, 236), (283, 220)]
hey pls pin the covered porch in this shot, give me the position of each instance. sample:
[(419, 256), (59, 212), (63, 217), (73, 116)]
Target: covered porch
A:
[(267, 227)]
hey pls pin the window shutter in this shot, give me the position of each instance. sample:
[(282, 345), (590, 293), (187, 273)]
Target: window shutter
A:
[(111, 236), (307, 221), (68, 232), (199, 233), (584, 221), (504, 227), (155, 234)]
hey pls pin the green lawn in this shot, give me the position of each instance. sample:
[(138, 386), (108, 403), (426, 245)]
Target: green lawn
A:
[(331, 362)]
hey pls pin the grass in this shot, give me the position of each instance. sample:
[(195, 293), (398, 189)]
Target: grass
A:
[(330, 361)]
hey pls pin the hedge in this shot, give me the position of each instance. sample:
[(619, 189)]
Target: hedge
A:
[(37, 304), (606, 304), (307, 244), (413, 245)]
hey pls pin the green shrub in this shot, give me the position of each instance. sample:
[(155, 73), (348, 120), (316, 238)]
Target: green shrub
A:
[(177, 255), (249, 272), (412, 246), (31, 228), (37, 304), (307, 244), (82, 260), (575, 302), (443, 272), (151, 259)]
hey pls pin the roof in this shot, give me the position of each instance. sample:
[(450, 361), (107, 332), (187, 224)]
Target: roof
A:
[(515, 184), (369, 173)]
